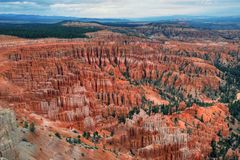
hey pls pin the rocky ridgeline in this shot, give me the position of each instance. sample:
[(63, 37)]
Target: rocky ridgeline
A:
[(9, 136)]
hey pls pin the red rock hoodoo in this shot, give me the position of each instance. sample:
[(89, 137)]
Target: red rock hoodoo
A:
[(90, 84)]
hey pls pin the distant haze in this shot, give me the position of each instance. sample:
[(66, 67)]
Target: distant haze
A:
[(121, 8)]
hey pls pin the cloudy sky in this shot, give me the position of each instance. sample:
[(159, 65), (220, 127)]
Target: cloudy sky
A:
[(121, 8)]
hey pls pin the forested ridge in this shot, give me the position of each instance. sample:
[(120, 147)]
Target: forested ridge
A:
[(44, 30)]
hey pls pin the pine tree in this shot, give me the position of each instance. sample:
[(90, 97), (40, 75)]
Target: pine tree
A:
[(32, 127)]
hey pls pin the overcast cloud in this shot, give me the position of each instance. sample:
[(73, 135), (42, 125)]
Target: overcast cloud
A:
[(121, 8)]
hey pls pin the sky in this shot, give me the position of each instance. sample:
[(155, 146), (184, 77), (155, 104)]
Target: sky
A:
[(121, 8)]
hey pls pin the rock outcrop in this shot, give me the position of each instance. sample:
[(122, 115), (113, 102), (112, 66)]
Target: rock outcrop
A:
[(9, 134), (179, 136)]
